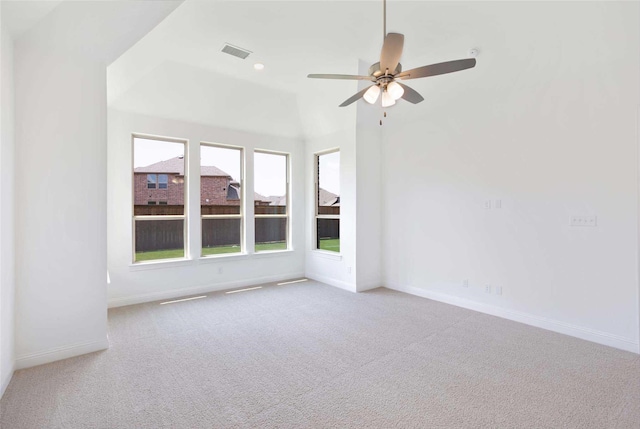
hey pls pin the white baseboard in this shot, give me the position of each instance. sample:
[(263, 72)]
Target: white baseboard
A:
[(59, 353), (528, 319), (5, 383), (332, 282), (178, 293)]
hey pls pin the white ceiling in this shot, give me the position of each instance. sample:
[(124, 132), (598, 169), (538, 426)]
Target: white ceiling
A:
[(292, 39), (177, 70), (21, 15)]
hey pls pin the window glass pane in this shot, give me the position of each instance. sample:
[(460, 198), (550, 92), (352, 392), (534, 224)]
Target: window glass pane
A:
[(220, 180), (271, 234), (270, 183), (153, 159), (328, 234), (220, 236), (159, 239), (329, 183), (270, 175), (163, 181)]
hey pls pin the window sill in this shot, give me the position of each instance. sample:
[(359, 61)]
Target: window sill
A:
[(267, 254), (170, 263), (156, 265), (272, 253), (222, 257), (327, 255)]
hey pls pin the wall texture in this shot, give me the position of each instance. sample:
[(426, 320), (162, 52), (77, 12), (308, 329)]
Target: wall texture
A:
[(557, 137)]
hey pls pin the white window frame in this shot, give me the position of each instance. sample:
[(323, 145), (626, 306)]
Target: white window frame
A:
[(240, 216), (150, 218), (317, 216), (287, 199)]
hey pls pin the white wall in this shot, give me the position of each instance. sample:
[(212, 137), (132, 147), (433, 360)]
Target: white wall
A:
[(556, 137), (7, 271), (60, 192), (335, 269), (358, 267), (151, 281), (369, 137), (61, 160)]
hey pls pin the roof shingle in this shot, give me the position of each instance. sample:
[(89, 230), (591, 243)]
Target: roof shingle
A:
[(176, 166)]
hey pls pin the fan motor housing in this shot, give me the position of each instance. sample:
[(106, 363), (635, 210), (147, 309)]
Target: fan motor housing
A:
[(375, 71)]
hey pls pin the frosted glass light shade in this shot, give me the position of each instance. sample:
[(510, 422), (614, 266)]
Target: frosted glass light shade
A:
[(387, 99), (395, 90), (372, 94)]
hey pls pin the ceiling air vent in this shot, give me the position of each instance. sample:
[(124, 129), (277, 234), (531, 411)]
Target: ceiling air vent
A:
[(235, 51)]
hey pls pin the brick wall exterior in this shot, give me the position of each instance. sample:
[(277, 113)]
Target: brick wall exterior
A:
[(173, 195), (212, 188)]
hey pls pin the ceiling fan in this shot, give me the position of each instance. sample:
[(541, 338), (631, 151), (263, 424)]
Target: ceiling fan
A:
[(386, 73)]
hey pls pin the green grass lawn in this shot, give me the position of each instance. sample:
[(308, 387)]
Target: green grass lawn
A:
[(179, 253), (331, 244), (159, 254)]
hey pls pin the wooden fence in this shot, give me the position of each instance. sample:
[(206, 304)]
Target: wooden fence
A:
[(159, 234)]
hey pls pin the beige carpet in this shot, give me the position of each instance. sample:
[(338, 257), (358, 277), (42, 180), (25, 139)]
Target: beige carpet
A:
[(307, 355)]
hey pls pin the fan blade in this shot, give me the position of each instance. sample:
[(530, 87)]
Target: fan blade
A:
[(355, 97), (436, 69), (340, 76), (410, 94), (391, 52)]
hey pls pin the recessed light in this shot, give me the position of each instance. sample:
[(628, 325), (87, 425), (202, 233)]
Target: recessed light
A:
[(258, 66)]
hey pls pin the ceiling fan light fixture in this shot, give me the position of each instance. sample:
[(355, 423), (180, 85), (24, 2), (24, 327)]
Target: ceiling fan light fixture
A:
[(384, 73), (372, 94), (395, 89), (387, 99)]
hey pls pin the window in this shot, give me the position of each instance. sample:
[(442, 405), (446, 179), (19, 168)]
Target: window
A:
[(327, 191), (158, 229), (271, 186), (221, 199), (160, 181), (163, 181)]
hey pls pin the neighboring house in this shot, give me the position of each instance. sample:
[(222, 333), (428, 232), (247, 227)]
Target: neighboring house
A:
[(326, 198), (162, 183)]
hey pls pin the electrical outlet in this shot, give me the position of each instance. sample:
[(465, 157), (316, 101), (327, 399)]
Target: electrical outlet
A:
[(487, 204), (465, 283), (498, 290), (591, 221), (487, 288), (498, 204)]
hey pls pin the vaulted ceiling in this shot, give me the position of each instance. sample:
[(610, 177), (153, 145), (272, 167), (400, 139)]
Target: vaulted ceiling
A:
[(177, 70)]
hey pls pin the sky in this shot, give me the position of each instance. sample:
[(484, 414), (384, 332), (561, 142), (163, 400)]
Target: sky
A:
[(329, 172), (270, 172)]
